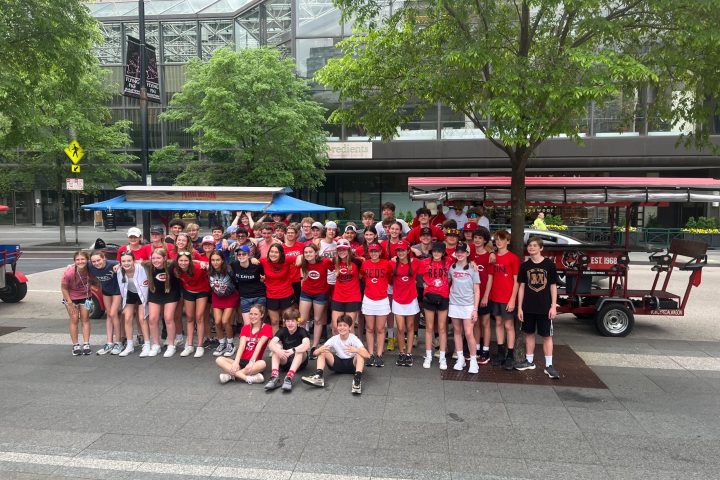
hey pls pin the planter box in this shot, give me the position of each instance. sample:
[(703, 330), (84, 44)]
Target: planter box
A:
[(712, 239)]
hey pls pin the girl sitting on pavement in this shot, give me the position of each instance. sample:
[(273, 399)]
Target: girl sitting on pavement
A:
[(248, 362)]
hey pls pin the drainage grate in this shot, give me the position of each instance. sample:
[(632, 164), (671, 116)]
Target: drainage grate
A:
[(573, 371)]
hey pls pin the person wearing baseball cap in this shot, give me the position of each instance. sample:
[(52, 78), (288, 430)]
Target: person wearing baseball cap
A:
[(157, 239), (463, 305), (375, 304), (350, 234), (404, 301), (207, 246), (468, 230), (327, 246), (434, 273), (346, 297), (423, 218), (452, 237), (139, 251)]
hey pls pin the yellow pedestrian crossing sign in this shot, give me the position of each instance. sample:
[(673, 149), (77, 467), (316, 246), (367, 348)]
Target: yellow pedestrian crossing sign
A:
[(75, 168), (74, 152)]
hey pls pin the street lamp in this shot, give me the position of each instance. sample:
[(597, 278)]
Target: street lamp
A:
[(143, 114)]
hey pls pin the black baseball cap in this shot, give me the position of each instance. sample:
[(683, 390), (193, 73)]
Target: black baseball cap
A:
[(425, 231)]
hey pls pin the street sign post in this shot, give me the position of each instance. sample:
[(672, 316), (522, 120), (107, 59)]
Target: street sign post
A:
[(74, 152), (74, 184)]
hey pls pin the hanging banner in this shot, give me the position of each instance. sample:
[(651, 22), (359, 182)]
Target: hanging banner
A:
[(132, 71)]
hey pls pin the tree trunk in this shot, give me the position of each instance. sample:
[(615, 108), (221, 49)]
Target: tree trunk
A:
[(517, 224), (61, 204)]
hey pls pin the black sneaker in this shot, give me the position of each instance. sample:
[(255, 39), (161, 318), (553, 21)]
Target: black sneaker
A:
[(273, 383), (499, 357), (86, 350), (77, 350), (484, 357), (508, 363), (379, 361), (356, 385), (552, 372), (525, 365), (287, 384), (408, 360), (370, 362)]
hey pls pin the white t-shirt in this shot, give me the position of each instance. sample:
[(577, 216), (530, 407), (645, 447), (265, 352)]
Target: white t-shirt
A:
[(484, 222), (461, 219), (339, 345)]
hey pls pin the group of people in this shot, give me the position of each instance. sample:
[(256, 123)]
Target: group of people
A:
[(283, 285)]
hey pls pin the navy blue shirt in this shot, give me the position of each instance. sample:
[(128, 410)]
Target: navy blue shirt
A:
[(106, 276)]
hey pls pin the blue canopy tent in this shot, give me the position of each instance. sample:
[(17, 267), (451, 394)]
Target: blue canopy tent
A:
[(254, 199)]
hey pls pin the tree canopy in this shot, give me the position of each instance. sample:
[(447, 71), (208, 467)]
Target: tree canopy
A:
[(521, 71), (253, 122)]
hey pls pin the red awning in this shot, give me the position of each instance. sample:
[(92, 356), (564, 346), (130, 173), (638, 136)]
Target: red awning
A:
[(569, 182)]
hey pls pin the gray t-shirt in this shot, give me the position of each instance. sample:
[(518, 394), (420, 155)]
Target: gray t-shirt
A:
[(462, 282)]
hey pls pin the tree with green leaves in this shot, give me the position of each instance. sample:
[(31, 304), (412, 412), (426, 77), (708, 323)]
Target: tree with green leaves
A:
[(521, 71), (253, 122)]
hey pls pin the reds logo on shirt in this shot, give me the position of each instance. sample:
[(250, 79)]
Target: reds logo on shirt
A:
[(313, 275), (161, 277), (374, 280), (405, 279), (145, 283)]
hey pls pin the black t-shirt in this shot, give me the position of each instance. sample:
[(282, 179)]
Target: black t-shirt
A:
[(106, 277), (288, 340), (537, 278), (248, 279), (157, 276)]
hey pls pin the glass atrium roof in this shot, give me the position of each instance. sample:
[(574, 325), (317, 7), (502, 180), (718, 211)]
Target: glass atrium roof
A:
[(129, 8)]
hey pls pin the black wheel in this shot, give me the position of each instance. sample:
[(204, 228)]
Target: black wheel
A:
[(14, 290), (615, 320), (96, 311)]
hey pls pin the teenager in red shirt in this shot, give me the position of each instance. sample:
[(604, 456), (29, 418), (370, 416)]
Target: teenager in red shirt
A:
[(346, 298), (195, 293), (370, 236), (294, 250), (278, 285), (182, 244), (483, 258), (248, 363), (452, 237), (422, 220), (314, 290), (502, 294), (376, 304), (389, 248), (436, 300), (404, 303), (140, 252)]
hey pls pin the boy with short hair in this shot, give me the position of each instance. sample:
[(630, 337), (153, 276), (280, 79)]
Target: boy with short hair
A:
[(343, 353), (289, 347), (502, 293), (537, 296)]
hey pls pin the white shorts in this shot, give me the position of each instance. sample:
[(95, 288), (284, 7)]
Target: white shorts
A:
[(375, 307), (410, 309), (463, 312)]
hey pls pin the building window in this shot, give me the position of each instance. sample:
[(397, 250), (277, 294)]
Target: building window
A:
[(214, 35), (313, 54), (110, 52), (179, 41), (317, 18)]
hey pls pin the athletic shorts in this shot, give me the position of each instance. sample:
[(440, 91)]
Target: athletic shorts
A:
[(246, 303), (342, 365), (280, 303), (486, 310), (132, 298), (110, 294), (539, 322), (244, 362), (164, 298), (284, 367), (435, 302), (345, 307), (80, 301), (193, 296), (463, 312), (320, 298), (499, 310), (375, 307), (405, 310)]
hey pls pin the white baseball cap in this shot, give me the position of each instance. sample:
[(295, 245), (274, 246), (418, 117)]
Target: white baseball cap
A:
[(134, 232)]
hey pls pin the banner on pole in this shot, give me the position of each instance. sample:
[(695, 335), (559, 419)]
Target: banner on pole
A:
[(132, 71)]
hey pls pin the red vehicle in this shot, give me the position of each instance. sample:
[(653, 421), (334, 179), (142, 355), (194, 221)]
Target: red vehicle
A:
[(613, 308), (13, 283)]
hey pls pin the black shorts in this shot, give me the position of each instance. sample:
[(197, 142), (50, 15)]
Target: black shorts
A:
[(499, 310), (342, 365), (244, 362), (537, 321), (280, 303), (164, 298), (284, 367), (486, 310), (193, 296), (435, 302), (132, 298), (110, 294), (345, 307), (80, 301)]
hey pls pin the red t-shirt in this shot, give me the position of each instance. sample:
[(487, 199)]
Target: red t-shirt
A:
[(450, 251), (393, 248), (173, 254), (315, 282), (504, 272), (377, 277), (295, 251), (198, 282), (413, 235), (403, 282), (277, 278), (347, 284), (361, 251), (252, 339), (435, 275), (482, 260), (435, 221), (142, 253)]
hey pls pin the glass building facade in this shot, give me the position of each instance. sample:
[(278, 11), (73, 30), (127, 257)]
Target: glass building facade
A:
[(620, 139)]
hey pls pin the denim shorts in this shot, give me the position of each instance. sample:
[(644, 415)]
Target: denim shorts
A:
[(320, 298), (246, 303)]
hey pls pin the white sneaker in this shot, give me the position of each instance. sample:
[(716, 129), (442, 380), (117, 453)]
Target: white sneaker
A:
[(127, 351), (427, 361), (154, 350), (170, 351), (187, 351), (459, 364), (145, 350), (226, 377), (117, 348), (199, 352), (179, 340), (474, 368), (443, 363), (257, 378)]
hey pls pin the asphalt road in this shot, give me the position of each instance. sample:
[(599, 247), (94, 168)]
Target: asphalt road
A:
[(35, 262)]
